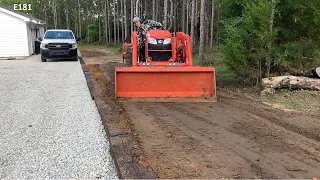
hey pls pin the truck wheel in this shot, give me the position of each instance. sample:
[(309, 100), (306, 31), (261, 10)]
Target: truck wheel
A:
[(43, 59), (129, 56)]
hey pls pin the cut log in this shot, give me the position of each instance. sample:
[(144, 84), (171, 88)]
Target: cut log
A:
[(316, 72), (289, 82)]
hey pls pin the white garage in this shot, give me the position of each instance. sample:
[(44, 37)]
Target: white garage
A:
[(18, 33)]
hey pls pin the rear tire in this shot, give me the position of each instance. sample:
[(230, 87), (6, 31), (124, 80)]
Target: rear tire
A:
[(129, 56)]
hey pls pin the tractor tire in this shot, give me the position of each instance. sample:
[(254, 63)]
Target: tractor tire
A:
[(129, 56)]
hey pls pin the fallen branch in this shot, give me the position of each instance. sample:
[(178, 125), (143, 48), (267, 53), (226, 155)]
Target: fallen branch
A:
[(289, 82)]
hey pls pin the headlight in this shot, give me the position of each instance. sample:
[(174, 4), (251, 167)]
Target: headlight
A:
[(167, 41), (74, 45), (43, 45), (152, 41)]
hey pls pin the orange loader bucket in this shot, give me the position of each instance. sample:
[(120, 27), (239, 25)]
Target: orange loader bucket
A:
[(164, 82)]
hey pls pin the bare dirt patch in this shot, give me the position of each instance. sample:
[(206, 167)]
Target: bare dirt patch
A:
[(234, 138), (100, 56)]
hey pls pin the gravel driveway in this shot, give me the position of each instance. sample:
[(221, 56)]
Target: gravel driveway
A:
[(49, 125)]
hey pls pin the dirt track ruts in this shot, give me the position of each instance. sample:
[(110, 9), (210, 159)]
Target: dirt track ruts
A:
[(233, 138)]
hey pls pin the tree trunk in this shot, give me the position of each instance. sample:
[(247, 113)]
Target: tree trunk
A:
[(197, 11), (125, 20), (206, 25), (269, 58), (174, 16), (118, 22), (99, 23), (67, 15), (158, 6), (99, 19), (145, 9), (122, 27), (114, 23), (140, 8), (171, 15), (45, 17), (153, 9), (259, 74), (106, 20), (187, 25), (55, 16), (59, 15), (193, 14), (75, 22), (202, 32), (79, 19), (212, 24), (109, 22), (183, 16), (289, 82), (217, 25), (87, 25), (196, 25), (165, 13), (131, 16)]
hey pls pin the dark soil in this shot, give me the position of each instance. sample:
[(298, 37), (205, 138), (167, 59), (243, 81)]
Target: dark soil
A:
[(234, 138)]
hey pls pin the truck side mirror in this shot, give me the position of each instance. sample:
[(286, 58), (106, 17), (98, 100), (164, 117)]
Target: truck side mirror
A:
[(40, 39)]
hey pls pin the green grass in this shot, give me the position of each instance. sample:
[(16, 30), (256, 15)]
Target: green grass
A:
[(294, 104), (224, 76), (116, 48), (296, 100)]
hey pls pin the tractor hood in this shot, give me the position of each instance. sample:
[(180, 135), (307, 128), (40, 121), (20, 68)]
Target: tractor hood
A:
[(159, 34)]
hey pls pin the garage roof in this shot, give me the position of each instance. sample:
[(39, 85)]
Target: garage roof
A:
[(20, 15)]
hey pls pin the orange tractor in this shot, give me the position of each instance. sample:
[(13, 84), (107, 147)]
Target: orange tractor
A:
[(159, 65)]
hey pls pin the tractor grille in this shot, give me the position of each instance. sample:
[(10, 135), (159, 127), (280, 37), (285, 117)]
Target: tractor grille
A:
[(159, 46), (164, 53), (160, 56), (59, 46)]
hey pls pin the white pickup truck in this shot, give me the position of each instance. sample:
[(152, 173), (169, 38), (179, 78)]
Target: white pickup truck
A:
[(59, 44)]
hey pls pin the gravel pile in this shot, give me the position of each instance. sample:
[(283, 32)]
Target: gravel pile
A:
[(49, 125)]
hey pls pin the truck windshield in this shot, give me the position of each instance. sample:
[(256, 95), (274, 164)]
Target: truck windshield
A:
[(58, 35)]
